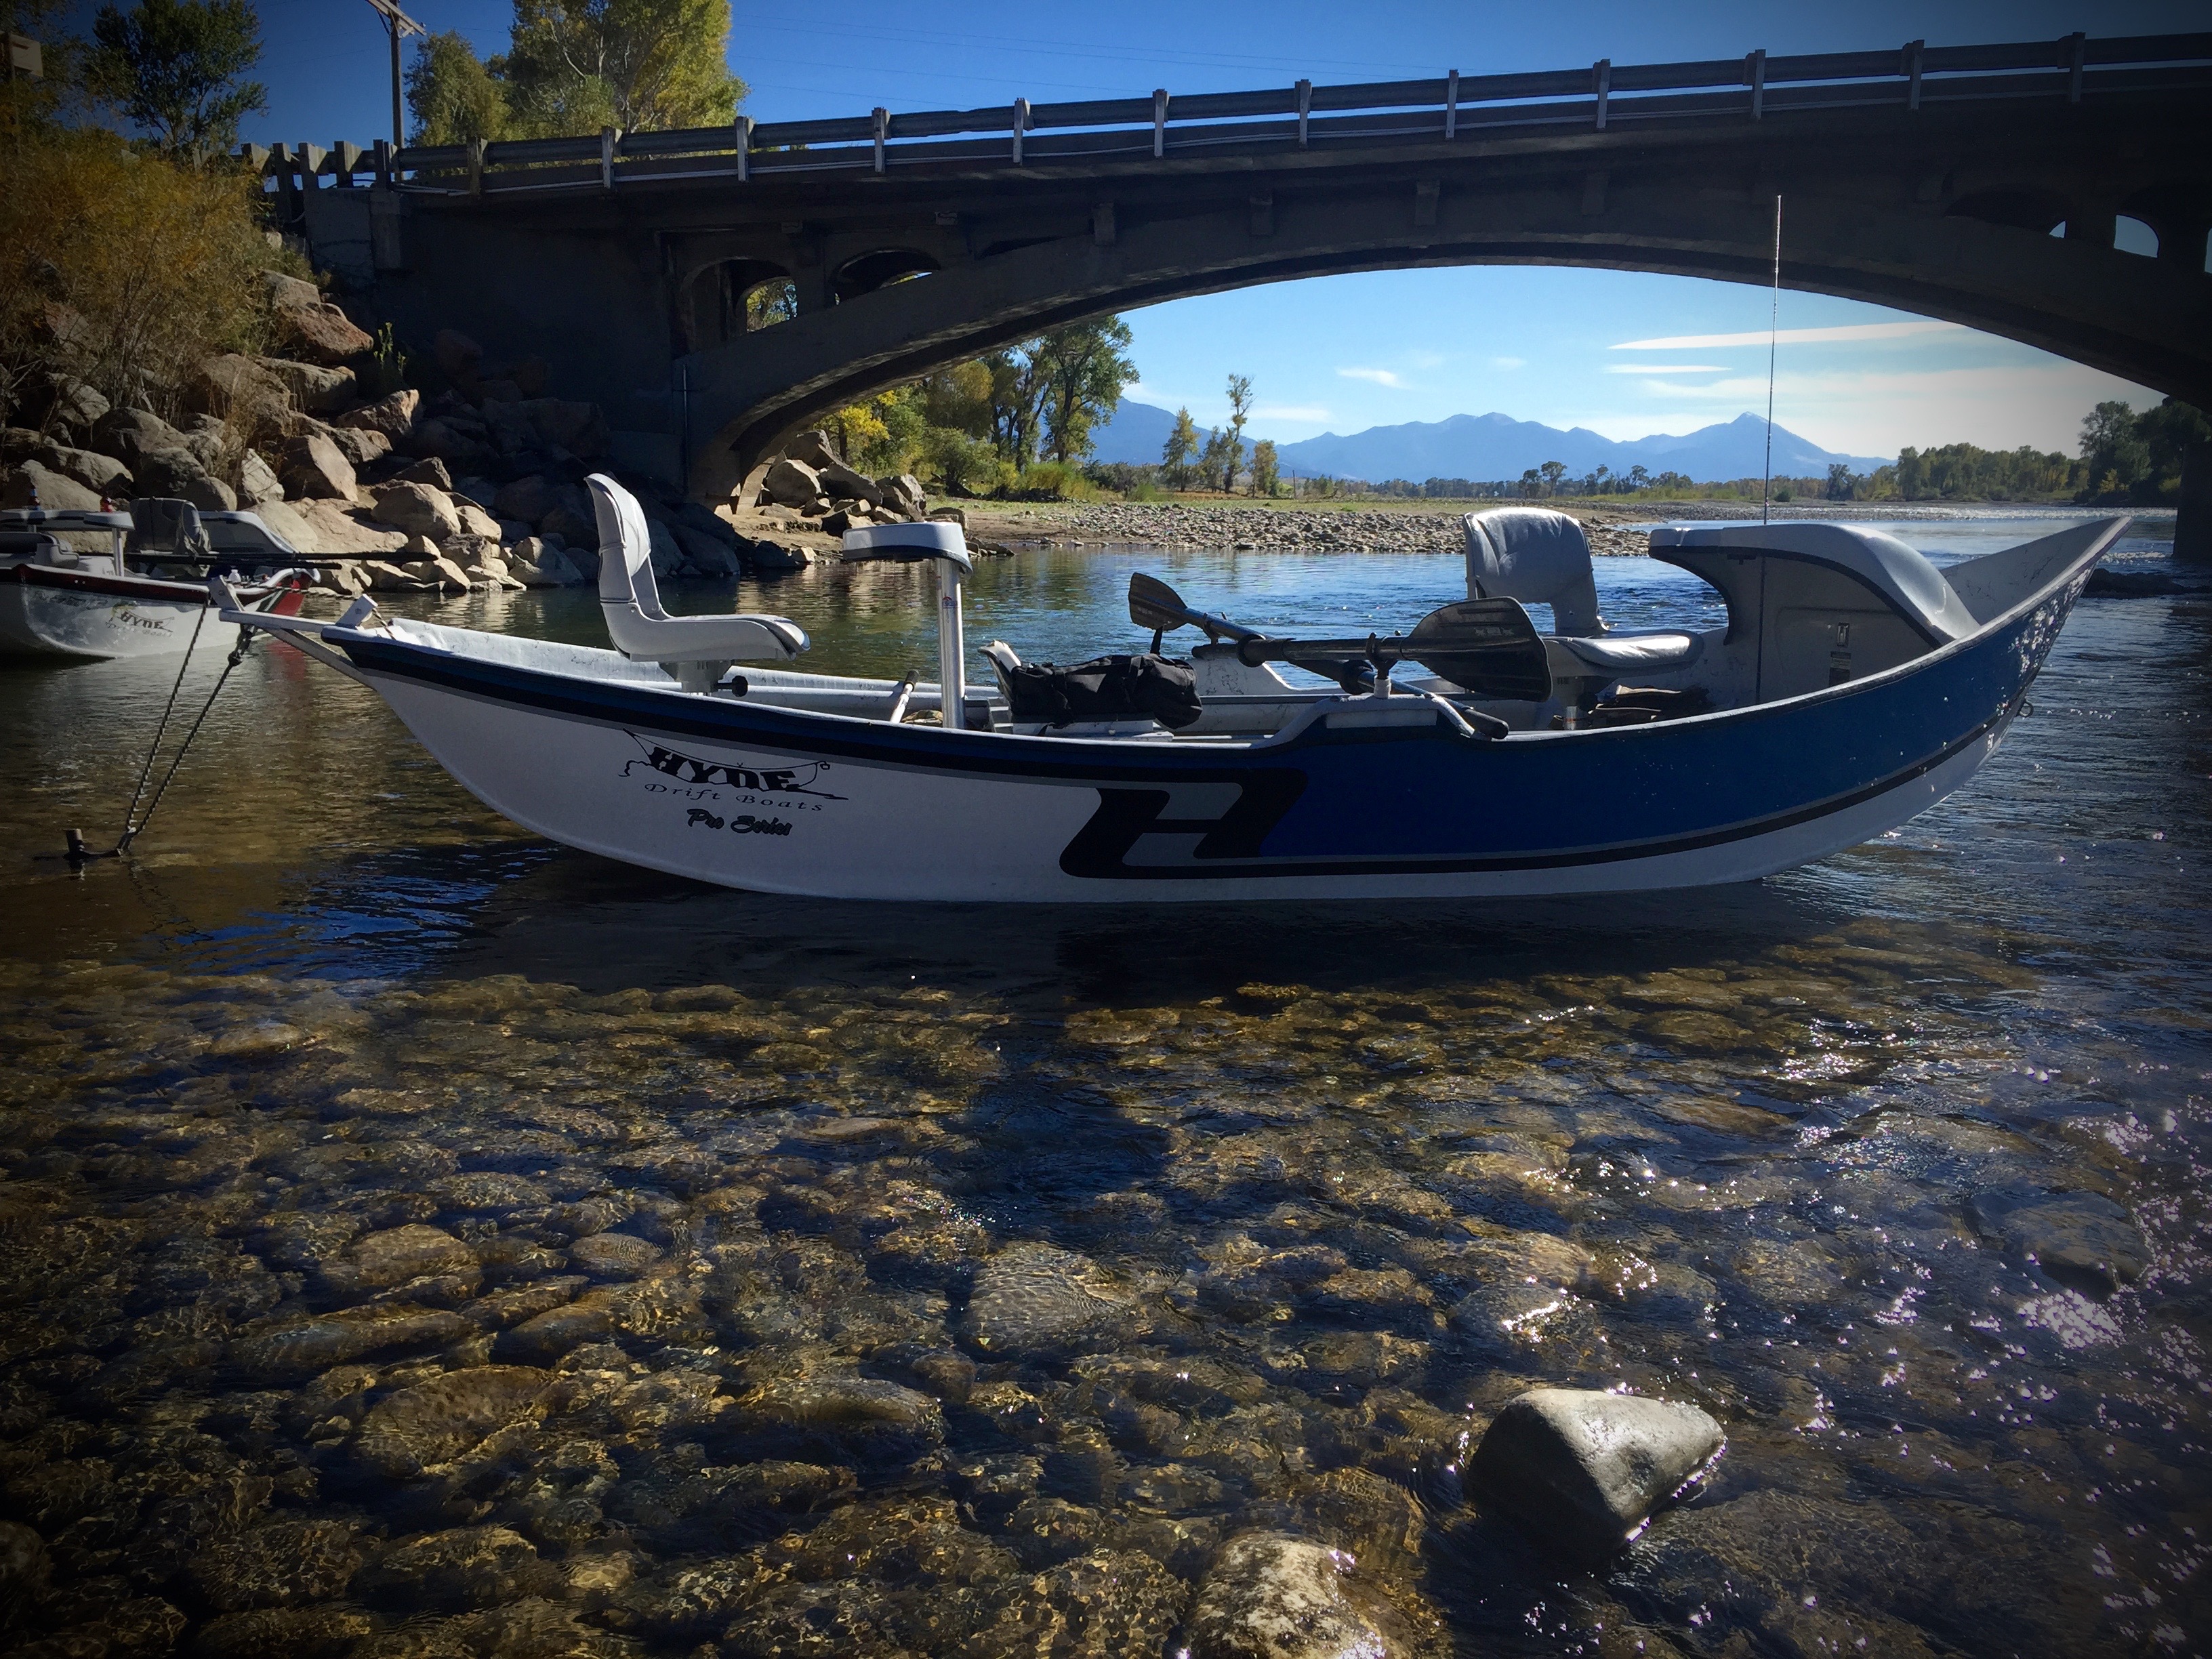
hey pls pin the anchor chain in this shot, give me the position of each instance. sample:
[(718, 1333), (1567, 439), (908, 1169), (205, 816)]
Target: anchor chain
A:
[(131, 831)]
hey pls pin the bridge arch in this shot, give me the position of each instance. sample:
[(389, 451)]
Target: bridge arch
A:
[(2148, 320)]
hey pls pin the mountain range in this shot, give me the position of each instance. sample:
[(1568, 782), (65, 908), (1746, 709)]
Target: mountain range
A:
[(1484, 448)]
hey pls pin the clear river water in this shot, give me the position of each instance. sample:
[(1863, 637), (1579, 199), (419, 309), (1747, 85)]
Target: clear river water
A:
[(417, 1239)]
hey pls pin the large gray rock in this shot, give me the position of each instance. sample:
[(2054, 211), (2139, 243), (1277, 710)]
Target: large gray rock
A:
[(431, 472), (30, 483), (903, 492), (320, 333), (792, 483), (181, 475), (64, 403), (126, 434), (300, 1348), (2082, 1241), (313, 467), (840, 483), (535, 562), (529, 498), (466, 1567), (95, 471), (419, 510), (359, 445), (667, 555), (458, 355), (811, 449), (293, 526), (710, 555), (393, 416), (316, 387), (238, 389), (1269, 1595), (578, 428), (258, 481), (1584, 1470)]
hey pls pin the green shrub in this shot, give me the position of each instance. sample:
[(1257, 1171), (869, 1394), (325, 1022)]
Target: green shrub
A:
[(966, 465), (1054, 481)]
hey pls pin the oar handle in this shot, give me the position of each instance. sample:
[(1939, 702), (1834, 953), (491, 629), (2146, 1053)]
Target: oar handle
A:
[(1253, 652)]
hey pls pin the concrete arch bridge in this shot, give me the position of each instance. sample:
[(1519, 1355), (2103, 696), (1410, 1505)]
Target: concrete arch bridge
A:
[(1928, 179)]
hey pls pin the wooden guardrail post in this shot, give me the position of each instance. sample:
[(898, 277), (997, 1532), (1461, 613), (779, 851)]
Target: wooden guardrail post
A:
[(1451, 105), (476, 149), (1305, 109), (2074, 42), (1021, 124), (881, 119), (1602, 84), (606, 158), (1159, 122), (1754, 69), (743, 126), (1915, 59), (383, 173)]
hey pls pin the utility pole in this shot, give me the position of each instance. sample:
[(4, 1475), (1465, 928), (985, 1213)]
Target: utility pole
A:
[(399, 25)]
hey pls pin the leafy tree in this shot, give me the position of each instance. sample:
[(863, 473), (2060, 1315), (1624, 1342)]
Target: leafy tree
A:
[(2112, 448), (1532, 483), (1223, 455), (453, 96), (1267, 472), (577, 65), (1841, 483), (959, 398), (773, 301), (174, 67), (1638, 477), (1240, 411), (79, 294), (1086, 374), (1181, 446), (1552, 471), (2167, 433)]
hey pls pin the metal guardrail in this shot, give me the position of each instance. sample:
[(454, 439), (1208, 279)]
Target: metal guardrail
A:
[(1604, 97)]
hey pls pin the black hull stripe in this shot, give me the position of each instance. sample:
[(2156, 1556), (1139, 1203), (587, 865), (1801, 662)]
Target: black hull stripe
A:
[(1749, 830)]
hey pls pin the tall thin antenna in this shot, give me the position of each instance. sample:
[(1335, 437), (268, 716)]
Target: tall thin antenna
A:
[(1773, 334)]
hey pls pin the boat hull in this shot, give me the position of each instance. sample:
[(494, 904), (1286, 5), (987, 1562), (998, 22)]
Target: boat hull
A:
[(1341, 806), (54, 611)]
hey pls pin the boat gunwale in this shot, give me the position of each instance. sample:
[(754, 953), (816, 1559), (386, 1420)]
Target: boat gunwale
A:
[(935, 749)]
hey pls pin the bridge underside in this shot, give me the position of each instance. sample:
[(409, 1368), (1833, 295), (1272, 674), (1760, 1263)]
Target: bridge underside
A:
[(1945, 214)]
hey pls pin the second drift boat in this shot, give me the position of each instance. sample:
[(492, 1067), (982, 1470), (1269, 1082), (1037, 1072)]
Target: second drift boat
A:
[(1853, 686), (129, 601)]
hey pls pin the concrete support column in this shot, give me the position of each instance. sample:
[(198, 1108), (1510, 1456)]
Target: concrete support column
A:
[(2192, 522), (2181, 240), (2093, 222)]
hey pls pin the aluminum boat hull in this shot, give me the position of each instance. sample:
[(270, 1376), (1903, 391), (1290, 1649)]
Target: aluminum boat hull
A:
[(49, 610), (1360, 797)]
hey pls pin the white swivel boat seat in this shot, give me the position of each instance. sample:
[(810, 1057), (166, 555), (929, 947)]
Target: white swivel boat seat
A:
[(696, 649), (1540, 556)]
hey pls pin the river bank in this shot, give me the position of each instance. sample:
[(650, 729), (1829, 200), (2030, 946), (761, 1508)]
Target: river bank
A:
[(1617, 528)]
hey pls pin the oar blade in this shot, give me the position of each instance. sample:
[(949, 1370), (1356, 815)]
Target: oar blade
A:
[(1154, 604), (1487, 647)]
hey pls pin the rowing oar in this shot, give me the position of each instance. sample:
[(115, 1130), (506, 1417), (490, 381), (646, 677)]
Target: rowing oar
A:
[(1488, 648), (1154, 604)]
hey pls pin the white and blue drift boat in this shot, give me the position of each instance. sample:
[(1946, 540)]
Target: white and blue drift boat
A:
[(1853, 686), (143, 595)]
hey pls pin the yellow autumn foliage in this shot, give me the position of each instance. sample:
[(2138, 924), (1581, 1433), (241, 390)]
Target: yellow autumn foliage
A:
[(123, 269)]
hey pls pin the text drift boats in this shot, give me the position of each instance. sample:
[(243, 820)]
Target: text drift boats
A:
[(1852, 686)]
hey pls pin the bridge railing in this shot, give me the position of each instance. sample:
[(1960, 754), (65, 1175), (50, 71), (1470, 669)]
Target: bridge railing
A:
[(1603, 96)]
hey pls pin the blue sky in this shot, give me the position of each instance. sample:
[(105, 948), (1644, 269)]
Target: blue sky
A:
[(1347, 352)]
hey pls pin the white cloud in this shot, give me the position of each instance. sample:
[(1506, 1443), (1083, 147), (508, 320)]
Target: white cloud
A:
[(1997, 406), (1792, 335), (1508, 363), (1290, 412), (1380, 376), (1667, 368)]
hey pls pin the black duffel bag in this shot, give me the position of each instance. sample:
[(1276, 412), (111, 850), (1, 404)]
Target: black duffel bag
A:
[(1144, 687)]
